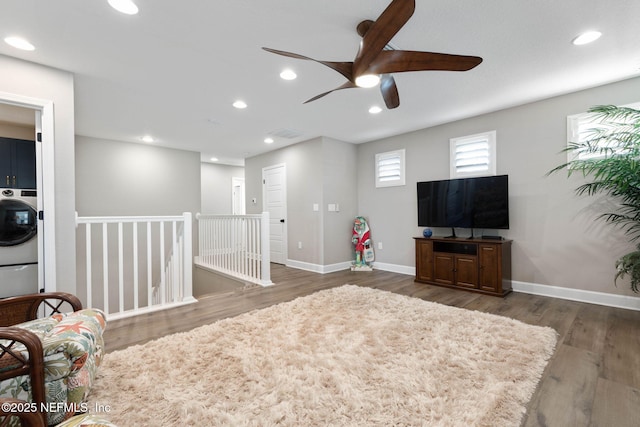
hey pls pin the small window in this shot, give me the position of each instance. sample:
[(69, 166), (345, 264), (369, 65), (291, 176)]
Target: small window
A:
[(390, 169), (473, 155), (582, 127)]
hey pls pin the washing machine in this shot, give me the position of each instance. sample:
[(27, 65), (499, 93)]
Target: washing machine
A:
[(18, 242)]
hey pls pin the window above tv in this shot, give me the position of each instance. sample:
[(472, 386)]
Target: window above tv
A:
[(473, 155)]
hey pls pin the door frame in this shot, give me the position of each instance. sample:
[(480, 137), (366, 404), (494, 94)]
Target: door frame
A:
[(285, 241), (45, 179)]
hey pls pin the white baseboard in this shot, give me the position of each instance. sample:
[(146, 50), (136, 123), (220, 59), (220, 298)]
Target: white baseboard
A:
[(395, 268), (580, 295), (592, 297), (346, 265), (317, 268)]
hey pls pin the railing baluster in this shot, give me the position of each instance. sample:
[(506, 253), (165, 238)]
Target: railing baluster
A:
[(120, 268), (105, 267), (134, 242), (163, 277), (174, 261), (149, 266), (88, 265)]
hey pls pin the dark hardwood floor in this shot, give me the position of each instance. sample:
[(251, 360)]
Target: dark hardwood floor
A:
[(593, 379)]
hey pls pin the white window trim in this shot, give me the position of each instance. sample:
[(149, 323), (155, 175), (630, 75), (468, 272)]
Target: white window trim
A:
[(390, 155), (490, 137)]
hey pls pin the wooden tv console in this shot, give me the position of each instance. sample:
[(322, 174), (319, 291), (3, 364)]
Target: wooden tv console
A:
[(478, 265)]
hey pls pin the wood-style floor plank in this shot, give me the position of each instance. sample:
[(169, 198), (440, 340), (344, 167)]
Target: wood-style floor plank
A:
[(593, 379), (616, 405)]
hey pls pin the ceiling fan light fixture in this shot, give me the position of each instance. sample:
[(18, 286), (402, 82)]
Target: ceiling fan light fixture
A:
[(375, 110), (367, 80), (127, 7), (586, 38)]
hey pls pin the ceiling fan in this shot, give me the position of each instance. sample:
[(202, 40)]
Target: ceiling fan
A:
[(375, 60)]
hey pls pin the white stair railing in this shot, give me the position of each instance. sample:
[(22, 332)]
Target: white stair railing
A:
[(130, 265), (235, 245)]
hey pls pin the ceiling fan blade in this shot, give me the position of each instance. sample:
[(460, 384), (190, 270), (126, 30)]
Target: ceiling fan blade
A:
[(398, 61), (346, 85), (389, 91), (344, 68), (380, 32)]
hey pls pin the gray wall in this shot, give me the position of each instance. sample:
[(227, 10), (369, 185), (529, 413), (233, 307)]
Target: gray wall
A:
[(557, 240), (339, 179), (119, 178), (125, 179), (36, 81), (216, 187), (319, 171)]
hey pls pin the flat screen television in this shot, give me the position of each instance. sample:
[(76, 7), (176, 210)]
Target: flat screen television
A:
[(479, 202)]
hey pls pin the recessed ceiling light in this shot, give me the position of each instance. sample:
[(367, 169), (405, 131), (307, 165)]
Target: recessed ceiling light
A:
[(240, 104), (268, 140), (288, 75), (147, 138), (586, 37), (19, 43), (367, 80), (375, 109), (214, 159), (125, 6)]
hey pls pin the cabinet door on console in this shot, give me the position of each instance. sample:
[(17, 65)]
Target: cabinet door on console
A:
[(466, 271), (444, 268), (490, 267), (424, 260)]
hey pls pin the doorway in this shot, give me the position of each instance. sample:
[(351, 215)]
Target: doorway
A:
[(274, 201), (42, 117), (238, 206)]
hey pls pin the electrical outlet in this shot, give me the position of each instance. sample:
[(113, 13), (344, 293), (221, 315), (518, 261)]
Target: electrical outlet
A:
[(299, 245), (379, 245)]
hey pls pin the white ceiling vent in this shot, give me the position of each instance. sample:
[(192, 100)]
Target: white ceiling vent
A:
[(286, 133)]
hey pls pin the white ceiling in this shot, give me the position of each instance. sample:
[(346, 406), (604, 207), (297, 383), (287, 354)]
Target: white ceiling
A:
[(174, 69)]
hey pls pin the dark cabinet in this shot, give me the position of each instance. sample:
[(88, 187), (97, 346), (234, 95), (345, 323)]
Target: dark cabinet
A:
[(17, 163), (474, 264)]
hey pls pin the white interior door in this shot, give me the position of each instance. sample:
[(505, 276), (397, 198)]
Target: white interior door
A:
[(274, 196)]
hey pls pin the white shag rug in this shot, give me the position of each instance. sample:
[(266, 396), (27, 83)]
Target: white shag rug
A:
[(348, 356)]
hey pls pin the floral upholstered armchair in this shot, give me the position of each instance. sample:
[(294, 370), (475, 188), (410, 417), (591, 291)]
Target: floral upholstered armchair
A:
[(48, 363)]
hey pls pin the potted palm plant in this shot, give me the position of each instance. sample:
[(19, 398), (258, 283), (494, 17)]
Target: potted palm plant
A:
[(609, 157)]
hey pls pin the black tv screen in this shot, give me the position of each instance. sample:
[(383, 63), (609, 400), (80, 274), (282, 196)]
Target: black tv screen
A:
[(480, 202)]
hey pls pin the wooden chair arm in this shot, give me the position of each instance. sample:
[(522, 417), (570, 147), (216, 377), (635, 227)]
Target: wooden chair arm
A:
[(14, 364), (23, 308)]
